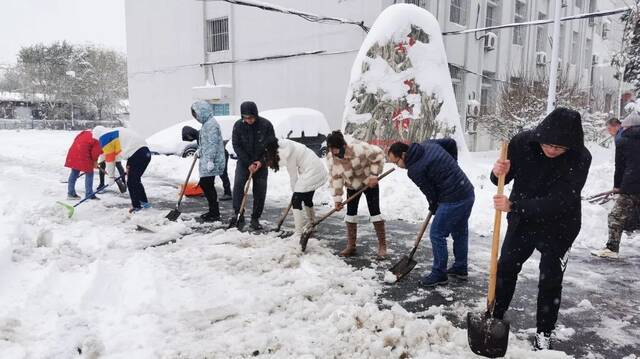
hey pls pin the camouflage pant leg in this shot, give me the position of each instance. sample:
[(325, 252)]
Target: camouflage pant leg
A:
[(621, 215)]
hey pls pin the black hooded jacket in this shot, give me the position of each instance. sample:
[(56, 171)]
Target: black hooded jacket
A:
[(249, 140), (627, 175), (546, 191)]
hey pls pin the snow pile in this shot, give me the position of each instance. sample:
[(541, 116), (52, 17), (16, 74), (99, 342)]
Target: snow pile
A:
[(86, 285), (400, 86)]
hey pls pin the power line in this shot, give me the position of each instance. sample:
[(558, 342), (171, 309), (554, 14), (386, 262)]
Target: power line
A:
[(305, 15), (540, 22)]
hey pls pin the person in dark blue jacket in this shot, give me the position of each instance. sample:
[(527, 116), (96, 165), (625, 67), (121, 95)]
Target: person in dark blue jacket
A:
[(432, 166)]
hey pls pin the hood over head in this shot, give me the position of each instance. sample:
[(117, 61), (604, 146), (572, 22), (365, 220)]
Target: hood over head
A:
[(249, 108), (562, 127), (203, 110)]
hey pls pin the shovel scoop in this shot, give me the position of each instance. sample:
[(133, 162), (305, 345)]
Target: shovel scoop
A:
[(407, 263)]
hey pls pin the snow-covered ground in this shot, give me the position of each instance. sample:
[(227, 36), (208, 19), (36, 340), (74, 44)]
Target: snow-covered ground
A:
[(86, 284)]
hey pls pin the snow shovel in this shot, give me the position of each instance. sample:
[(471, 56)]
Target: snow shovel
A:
[(71, 209), (284, 216), (119, 181), (306, 234), (489, 336), (406, 264), (175, 213), (599, 196), (244, 201)]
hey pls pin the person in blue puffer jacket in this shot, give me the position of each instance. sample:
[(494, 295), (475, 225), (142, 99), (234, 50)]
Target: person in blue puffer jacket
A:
[(211, 152), (432, 166)]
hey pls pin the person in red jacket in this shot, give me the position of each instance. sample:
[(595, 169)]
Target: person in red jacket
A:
[(82, 157)]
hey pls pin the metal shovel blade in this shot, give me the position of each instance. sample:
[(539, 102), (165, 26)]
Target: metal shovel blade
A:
[(403, 267), (121, 186), (173, 215), (69, 208), (304, 239), (487, 336)]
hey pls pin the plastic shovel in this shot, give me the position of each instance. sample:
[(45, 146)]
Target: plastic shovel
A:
[(406, 264), (175, 213), (306, 234), (489, 336), (71, 209)]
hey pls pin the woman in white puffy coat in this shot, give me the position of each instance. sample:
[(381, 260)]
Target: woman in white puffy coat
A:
[(306, 171)]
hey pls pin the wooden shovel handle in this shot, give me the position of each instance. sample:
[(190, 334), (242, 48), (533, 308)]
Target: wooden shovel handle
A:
[(350, 198), (495, 245), (284, 215), (423, 228), (244, 196), (186, 181)]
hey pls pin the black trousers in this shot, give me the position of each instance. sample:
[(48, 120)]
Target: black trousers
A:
[(302, 197), (208, 186), (373, 202), (259, 188), (226, 185), (119, 167), (137, 164), (519, 244)]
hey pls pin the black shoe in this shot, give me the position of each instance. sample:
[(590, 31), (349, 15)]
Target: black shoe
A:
[(210, 217), (542, 341), (457, 273), (255, 224), (100, 187), (73, 196), (95, 198), (225, 197)]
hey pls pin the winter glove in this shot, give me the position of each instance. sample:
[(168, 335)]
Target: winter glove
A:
[(433, 207)]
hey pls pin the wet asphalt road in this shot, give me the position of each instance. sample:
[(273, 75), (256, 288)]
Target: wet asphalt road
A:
[(607, 324)]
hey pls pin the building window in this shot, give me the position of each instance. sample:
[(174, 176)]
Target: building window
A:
[(458, 11), (488, 92), (575, 47), (587, 53), (220, 109), (218, 34), (605, 30), (421, 3), (579, 4), (520, 15), (457, 79), (493, 14), (541, 34)]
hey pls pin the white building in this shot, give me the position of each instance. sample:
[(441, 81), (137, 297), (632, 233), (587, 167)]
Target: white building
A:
[(167, 45)]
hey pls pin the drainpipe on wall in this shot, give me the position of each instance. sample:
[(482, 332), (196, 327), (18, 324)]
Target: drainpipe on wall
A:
[(553, 71)]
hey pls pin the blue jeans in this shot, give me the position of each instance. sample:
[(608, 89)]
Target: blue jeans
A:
[(88, 183), (451, 219)]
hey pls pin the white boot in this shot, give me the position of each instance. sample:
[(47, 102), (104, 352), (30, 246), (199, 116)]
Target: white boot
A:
[(311, 215), (298, 221)]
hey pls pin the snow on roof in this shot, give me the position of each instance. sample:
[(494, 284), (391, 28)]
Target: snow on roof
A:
[(295, 120), (380, 82)]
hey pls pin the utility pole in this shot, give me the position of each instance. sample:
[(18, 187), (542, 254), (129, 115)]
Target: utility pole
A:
[(71, 74), (555, 50)]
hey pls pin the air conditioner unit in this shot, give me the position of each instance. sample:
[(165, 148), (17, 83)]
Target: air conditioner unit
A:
[(473, 108), (595, 59), (541, 58), (490, 41)]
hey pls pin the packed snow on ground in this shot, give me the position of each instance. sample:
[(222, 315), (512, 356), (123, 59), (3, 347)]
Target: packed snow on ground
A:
[(85, 285)]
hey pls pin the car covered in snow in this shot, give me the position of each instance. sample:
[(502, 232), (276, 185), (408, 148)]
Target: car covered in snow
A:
[(304, 125)]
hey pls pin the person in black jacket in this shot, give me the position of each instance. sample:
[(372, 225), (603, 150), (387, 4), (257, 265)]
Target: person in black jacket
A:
[(626, 182), (432, 166), (548, 167), (249, 136)]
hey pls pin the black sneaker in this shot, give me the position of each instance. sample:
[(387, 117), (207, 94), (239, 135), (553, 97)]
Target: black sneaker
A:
[(73, 196), (457, 273), (225, 197), (542, 341), (255, 224), (210, 217), (95, 198)]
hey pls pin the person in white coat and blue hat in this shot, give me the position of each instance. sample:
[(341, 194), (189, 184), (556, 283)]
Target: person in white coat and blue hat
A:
[(307, 173)]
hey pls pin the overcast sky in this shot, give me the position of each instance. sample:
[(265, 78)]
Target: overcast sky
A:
[(27, 22)]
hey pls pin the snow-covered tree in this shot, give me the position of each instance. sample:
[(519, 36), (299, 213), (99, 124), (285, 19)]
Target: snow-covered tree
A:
[(628, 60)]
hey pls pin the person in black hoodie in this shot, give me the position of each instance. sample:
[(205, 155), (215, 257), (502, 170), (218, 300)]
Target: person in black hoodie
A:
[(249, 136), (548, 167), (626, 182), (432, 166)]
